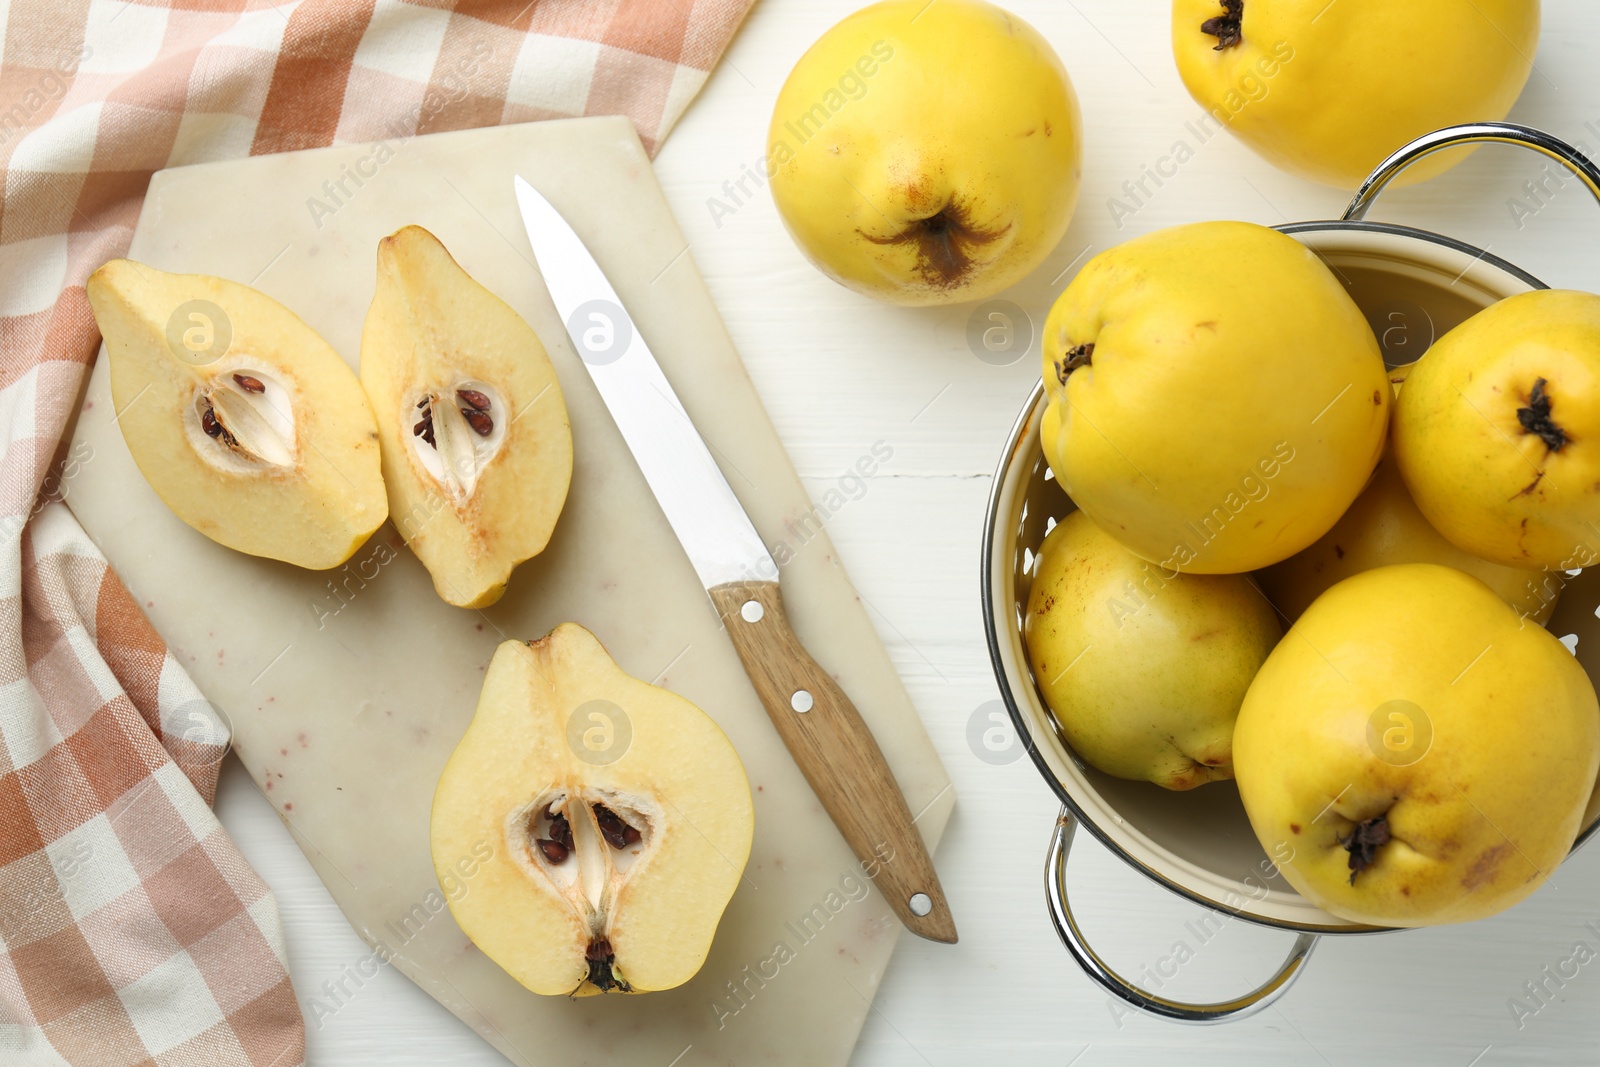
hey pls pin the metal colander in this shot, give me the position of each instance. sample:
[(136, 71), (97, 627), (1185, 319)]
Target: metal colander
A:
[(1414, 286)]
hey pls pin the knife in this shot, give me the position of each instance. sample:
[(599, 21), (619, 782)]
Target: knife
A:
[(819, 725)]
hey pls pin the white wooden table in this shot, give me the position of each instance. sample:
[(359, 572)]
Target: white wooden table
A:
[(838, 373)]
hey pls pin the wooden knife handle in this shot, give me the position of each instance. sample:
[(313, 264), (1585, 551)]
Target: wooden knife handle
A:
[(838, 755)]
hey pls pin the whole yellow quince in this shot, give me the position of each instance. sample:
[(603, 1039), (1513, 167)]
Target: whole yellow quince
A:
[(1143, 670), (1215, 398), (1497, 432), (1328, 90), (1384, 527), (1418, 752), (926, 153)]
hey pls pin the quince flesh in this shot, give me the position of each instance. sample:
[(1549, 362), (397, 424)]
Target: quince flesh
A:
[(477, 450), (1215, 398), (244, 421), (1414, 752), (619, 816)]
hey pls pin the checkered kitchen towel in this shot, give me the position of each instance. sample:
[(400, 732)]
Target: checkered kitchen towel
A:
[(132, 932)]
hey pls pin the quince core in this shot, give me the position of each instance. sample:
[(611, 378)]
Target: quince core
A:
[(619, 816)]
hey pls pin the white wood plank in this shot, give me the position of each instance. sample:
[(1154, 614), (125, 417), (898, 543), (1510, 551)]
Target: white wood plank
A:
[(838, 372)]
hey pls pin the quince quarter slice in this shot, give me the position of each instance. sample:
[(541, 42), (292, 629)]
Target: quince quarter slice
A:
[(477, 451), (245, 422), (618, 814)]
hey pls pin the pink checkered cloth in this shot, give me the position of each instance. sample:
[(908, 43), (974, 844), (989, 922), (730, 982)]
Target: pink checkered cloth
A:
[(132, 931)]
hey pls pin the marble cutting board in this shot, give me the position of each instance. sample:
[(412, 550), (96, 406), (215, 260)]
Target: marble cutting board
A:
[(348, 689)]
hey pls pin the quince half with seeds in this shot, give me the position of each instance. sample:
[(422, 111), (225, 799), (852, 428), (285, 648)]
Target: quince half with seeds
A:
[(249, 426), (619, 815), (477, 450)]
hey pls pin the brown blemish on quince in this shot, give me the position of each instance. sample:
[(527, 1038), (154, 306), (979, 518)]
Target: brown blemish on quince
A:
[(1531, 486), (1486, 866)]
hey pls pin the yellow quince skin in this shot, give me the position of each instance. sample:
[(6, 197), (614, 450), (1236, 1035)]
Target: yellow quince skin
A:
[(1414, 752), (1497, 432), (1143, 670), (1216, 400), (1327, 91), (927, 153)]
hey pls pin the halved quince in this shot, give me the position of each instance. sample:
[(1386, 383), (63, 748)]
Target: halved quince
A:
[(243, 420), (618, 814), (477, 451)]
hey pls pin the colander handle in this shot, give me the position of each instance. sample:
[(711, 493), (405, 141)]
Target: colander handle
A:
[(1055, 884), (1471, 133)]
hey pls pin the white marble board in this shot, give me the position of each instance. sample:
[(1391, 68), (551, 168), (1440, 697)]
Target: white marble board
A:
[(347, 690)]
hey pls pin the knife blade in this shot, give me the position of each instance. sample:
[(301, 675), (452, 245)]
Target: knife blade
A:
[(821, 728)]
